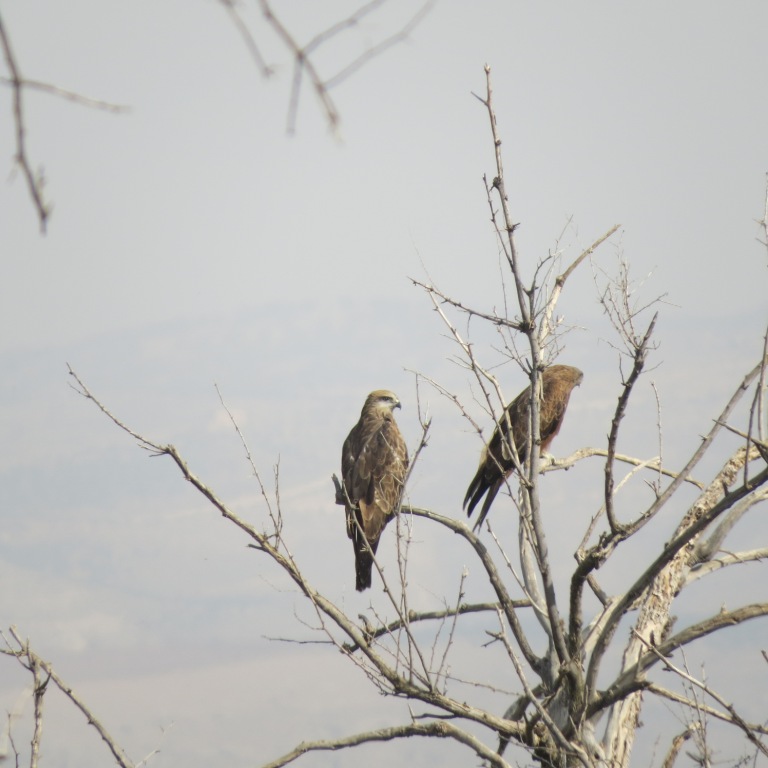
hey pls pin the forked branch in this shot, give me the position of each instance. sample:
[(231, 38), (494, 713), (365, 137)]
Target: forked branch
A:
[(34, 663), (303, 55)]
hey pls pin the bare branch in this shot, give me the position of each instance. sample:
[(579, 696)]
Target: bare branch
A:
[(674, 748), (764, 221), (33, 661), (552, 727), (417, 616), (729, 558), (438, 728), (561, 278), (340, 26), (600, 552), (705, 550), (508, 605), (510, 249), (591, 559), (38, 692), (745, 435), (641, 347), (18, 84), (658, 651), (706, 442), (584, 453), (6, 737), (491, 318), (145, 760), (710, 505), (35, 182), (680, 699), (736, 719), (380, 47), (275, 514), (73, 96), (304, 62), (248, 38), (758, 415)]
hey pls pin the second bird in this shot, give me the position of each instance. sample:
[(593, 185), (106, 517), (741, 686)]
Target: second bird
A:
[(496, 464)]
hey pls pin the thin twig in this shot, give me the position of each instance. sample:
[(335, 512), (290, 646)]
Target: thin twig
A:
[(382, 46), (584, 453), (34, 181), (247, 36), (640, 355), (73, 96)]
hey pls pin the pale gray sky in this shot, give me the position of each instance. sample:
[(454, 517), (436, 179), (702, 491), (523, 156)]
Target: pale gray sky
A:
[(193, 241)]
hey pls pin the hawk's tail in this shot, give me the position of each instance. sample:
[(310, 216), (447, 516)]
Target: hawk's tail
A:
[(363, 568), (475, 492), (364, 560)]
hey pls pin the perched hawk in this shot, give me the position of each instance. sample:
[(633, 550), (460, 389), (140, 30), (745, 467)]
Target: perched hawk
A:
[(374, 461), (557, 382)]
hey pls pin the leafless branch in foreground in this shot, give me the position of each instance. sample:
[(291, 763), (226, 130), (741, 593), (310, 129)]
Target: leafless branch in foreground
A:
[(29, 659), (67, 95), (19, 84), (35, 181), (304, 65), (231, 7), (304, 55)]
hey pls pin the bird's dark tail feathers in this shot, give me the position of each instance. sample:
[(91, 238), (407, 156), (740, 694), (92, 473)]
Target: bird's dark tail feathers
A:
[(363, 568), (475, 492), (492, 491), (363, 560)]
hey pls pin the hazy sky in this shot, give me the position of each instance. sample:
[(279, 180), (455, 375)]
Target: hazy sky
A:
[(193, 241)]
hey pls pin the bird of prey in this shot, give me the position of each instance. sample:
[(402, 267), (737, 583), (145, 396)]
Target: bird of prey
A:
[(374, 461), (496, 464)]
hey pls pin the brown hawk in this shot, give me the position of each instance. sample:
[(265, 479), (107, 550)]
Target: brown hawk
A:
[(496, 464), (374, 461)]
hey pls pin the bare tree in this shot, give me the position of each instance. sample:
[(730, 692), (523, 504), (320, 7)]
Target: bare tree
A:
[(572, 707)]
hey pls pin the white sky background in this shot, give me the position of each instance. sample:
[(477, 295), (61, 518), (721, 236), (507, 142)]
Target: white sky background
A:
[(194, 242)]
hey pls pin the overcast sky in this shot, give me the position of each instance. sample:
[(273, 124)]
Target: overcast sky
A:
[(194, 242)]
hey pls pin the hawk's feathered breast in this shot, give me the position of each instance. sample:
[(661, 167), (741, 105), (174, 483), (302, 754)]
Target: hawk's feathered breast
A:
[(374, 462)]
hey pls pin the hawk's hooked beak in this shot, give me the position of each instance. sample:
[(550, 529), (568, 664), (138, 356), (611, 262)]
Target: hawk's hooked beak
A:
[(397, 405)]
